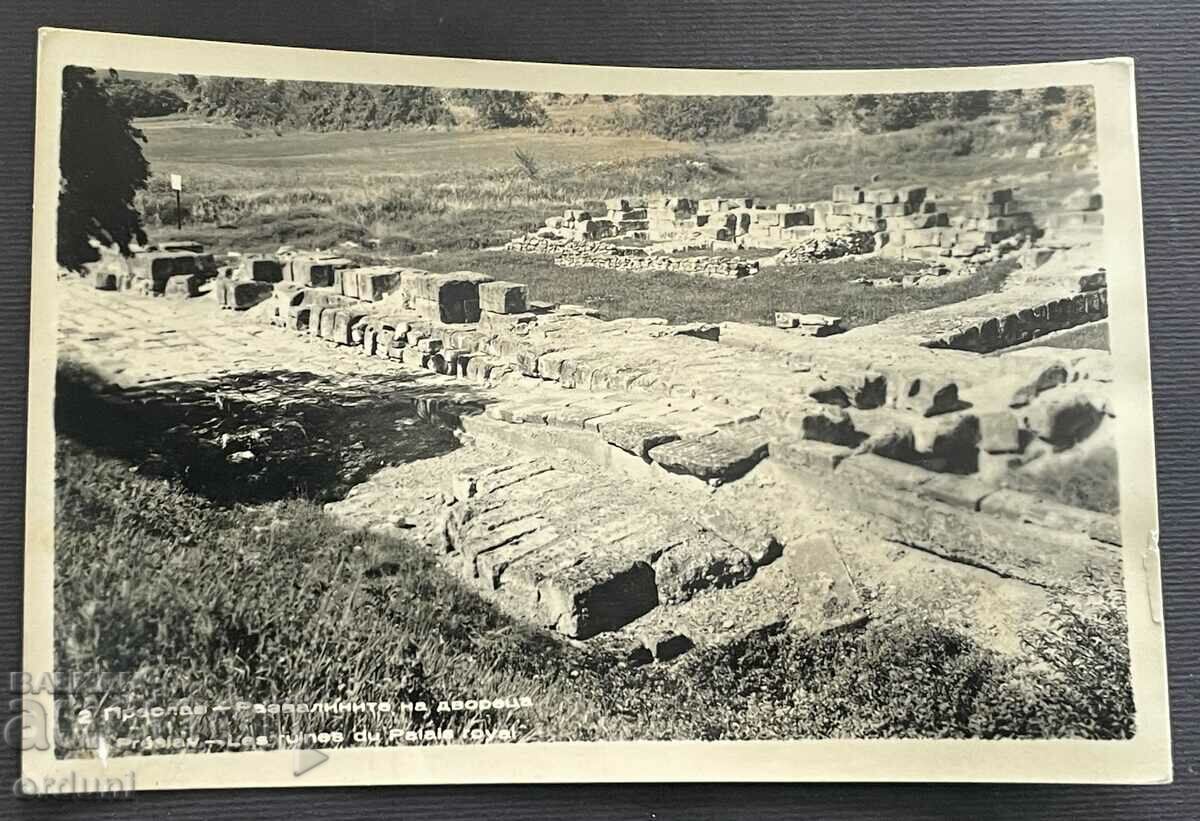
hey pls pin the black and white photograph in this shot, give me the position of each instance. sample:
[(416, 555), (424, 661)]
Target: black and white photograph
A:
[(496, 417)]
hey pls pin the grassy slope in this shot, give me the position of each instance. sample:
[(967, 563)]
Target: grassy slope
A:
[(421, 190), (278, 603)]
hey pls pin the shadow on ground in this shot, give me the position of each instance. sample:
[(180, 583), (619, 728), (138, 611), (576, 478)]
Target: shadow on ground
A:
[(263, 435)]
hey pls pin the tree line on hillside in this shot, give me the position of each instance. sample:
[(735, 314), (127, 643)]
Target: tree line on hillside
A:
[(1038, 110), (314, 106), (103, 166), (1069, 112)]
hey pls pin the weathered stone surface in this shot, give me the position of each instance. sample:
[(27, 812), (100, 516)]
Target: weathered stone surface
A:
[(809, 455), (636, 435), (447, 298), (745, 532), (823, 423), (960, 491), (860, 389), (867, 470), (503, 297), (1034, 553), (954, 436), (698, 563), (1093, 282), (259, 268), (370, 284), (1065, 415), (328, 320), (317, 271), (718, 456), (1028, 388), (579, 414), (599, 594), (182, 286), (815, 563), (1000, 432), (1025, 507), (242, 295), (698, 330), (341, 330), (809, 324), (928, 395)]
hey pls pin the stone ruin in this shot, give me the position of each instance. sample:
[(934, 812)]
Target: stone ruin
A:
[(948, 229), (899, 428)]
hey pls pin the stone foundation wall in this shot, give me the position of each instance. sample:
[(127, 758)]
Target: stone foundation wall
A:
[(912, 222), (1015, 327), (578, 253)]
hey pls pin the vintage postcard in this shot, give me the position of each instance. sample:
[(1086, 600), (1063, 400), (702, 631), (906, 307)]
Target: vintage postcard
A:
[(413, 420)]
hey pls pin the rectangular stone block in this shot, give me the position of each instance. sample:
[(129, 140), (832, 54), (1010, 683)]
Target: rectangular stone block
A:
[(869, 470), (1026, 507), (716, 457), (881, 195), (600, 594), (996, 196), (260, 268), (999, 432), (895, 209), (318, 271), (370, 284), (1083, 202), (447, 298), (342, 323), (243, 295), (959, 491), (847, 193), (328, 319), (503, 297), (745, 532), (104, 280), (983, 210), (807, 455), (1042, 555), (182, 286), (636, 435), (918, 237)]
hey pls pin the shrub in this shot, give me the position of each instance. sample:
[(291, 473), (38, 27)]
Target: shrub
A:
[(503, 109), (1077, 684), (319, 106), (701, 117)]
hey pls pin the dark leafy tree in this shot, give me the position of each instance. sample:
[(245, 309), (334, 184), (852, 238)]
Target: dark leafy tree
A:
[(141, 99), (101, 166)]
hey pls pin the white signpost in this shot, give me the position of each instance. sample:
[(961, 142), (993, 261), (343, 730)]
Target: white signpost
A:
[(177, 187)]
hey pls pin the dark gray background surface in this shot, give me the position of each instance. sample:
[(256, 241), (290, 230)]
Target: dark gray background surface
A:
[(1160, 36)]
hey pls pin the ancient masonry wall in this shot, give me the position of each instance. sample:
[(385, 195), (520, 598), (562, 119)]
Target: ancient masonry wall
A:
[(880, 440), (904, 223), (578, 253)]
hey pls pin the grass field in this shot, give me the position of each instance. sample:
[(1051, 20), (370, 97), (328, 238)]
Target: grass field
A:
[(825, 288), (417, 190)]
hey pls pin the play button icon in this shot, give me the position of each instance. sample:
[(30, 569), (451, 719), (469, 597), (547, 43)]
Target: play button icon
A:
[(306, 760)]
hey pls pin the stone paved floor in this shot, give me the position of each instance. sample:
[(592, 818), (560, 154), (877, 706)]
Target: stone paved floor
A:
[(143, 343)]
